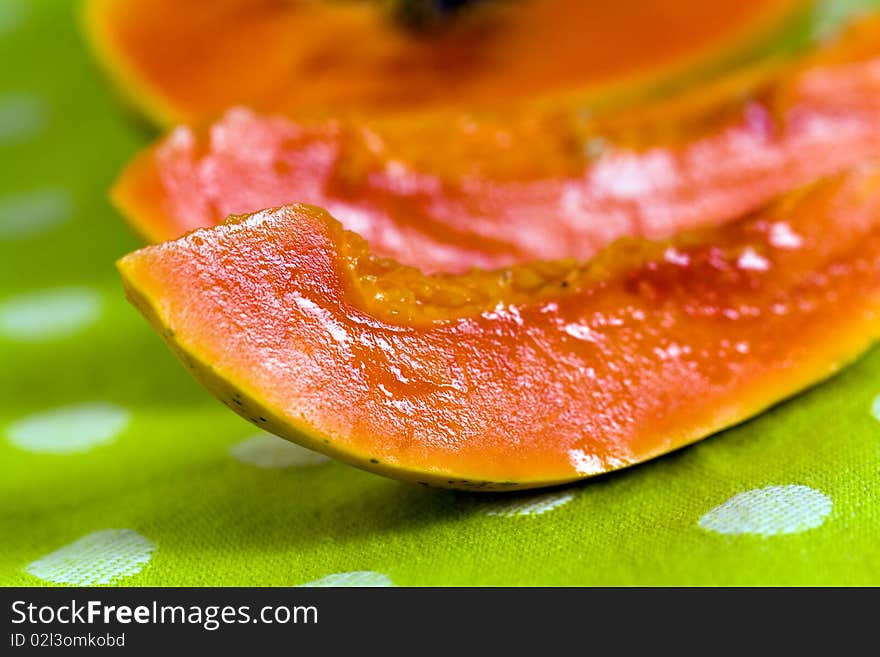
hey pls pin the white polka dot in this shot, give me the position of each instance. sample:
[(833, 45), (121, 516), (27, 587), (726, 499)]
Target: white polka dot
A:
[(769, 511), (68, 429), (525, 505), (267, 451), (875, 407), (48, 314), (31, 213), (101, 557), (12, 15), (22, 117), (360, 578)]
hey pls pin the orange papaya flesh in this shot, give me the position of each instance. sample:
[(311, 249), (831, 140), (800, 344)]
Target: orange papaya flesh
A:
[(183, 61), (523, 377), (451, 192)]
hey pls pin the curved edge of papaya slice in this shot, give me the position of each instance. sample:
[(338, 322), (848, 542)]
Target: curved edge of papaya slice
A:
[(758, 31), (134, 91), (138, 195), (520, 378)]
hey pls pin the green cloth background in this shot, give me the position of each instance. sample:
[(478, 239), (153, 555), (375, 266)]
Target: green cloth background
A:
[(211, 519)]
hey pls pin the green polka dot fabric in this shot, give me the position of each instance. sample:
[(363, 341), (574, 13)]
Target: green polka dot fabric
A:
[(117, 469)]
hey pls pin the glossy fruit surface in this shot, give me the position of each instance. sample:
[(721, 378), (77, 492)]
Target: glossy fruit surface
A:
[(523, 377), (449, 191)]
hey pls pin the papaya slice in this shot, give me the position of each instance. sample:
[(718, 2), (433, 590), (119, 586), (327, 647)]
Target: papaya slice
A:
[(187, 61), (448, 191), (522, 377)]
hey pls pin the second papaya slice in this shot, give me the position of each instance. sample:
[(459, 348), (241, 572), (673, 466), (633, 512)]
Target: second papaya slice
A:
[(523, 377), (449, 191)]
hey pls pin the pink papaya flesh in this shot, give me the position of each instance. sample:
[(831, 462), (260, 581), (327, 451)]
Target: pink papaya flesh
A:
[(447, 192)]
